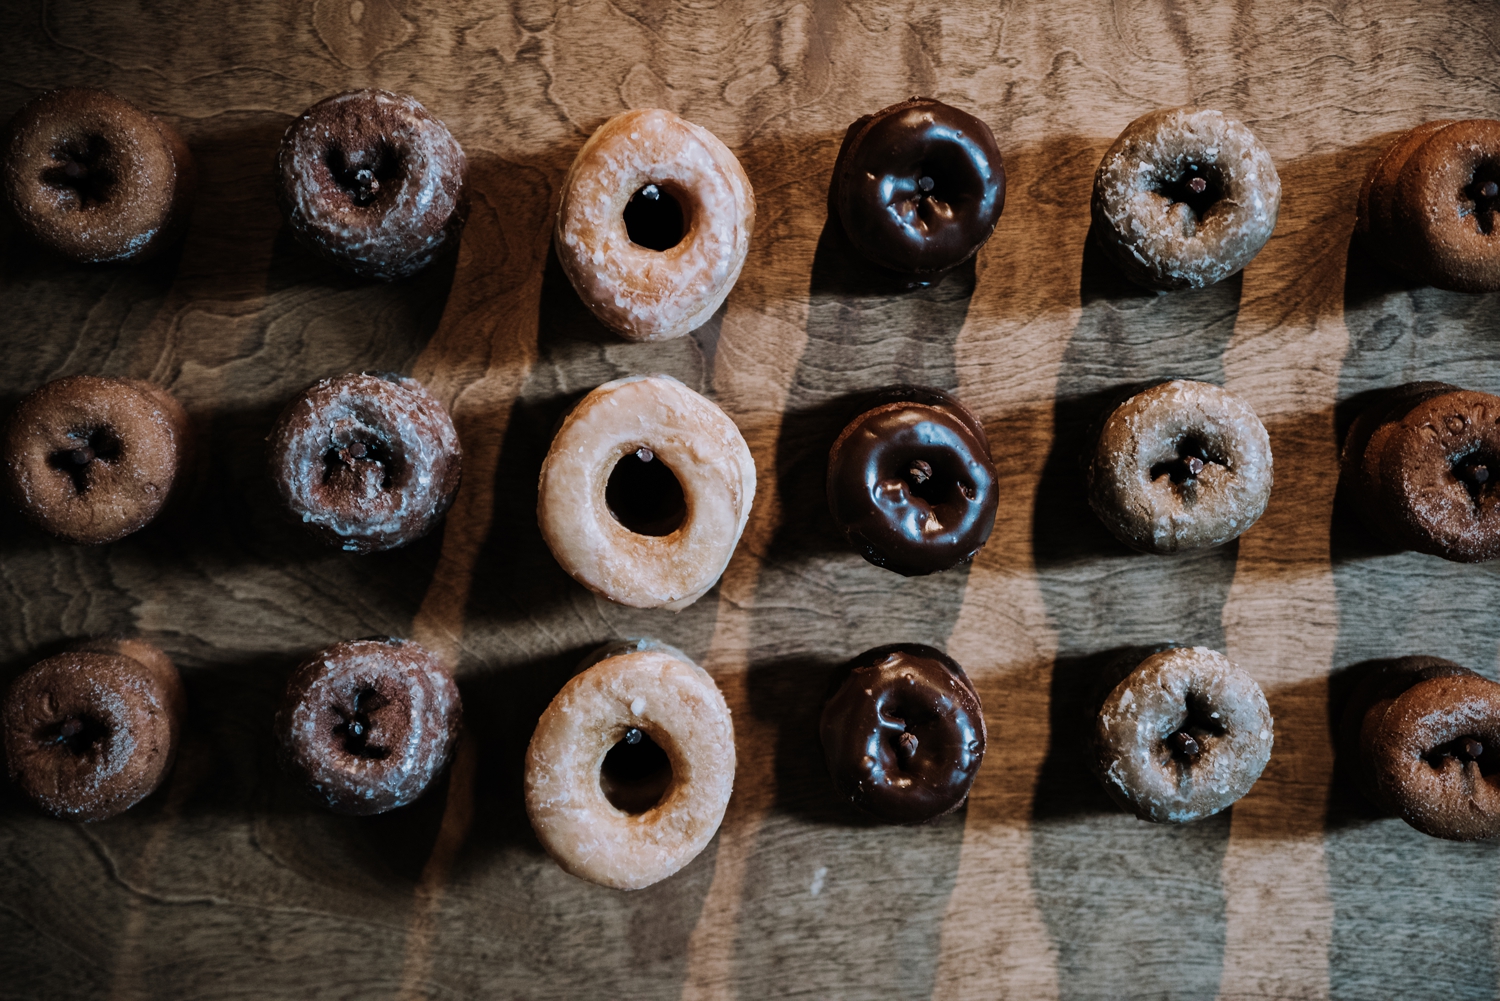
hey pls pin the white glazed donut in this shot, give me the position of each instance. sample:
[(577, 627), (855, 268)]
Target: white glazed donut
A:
[(644, 294), (658, 690), (695, 440)]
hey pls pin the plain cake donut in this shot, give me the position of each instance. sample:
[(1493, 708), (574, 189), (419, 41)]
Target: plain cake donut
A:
[(650, 691), (681, 450), (642, 293)]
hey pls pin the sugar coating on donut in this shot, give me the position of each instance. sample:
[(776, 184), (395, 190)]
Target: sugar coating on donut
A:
[(1442, 229), (660, 692), (1164, 244), (368, 462), (1141, 488), (644, 294), (702, 447), (1186, 688)]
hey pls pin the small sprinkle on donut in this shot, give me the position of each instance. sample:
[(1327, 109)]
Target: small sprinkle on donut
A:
[(654, 224), (366, 725), (918, 187), (90, 176), (1433, 755), (911, 484), (1184, 465), (1185, 198), (367, 462), (372, 183), (647, 718), (1185, 735), (904, 734), (645, 491), (92, 460), (91, 732)]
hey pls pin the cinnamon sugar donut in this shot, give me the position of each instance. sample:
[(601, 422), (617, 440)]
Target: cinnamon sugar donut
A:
[(91, 732), (645, 491), (664, 168), (92, 460), (650, 692), (368, 462), (94, 178), (372, 183)]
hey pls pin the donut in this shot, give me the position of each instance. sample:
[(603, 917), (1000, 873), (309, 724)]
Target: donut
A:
[(1183, 736), (651, 693), (911, 484), (1184, 198), (1445, 208), (645, 491), (1373, 212), (904, 734), (92, 460), (1181, 466), (91, 732), (1433, 757), (371, 183), (918, 188), (90, 176), (1377, 689), (368, 462), (654, 224), (1417, 467)]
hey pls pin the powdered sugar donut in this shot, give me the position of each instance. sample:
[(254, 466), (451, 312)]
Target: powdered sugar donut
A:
[(677, 176), (645, 491), (654, 693)]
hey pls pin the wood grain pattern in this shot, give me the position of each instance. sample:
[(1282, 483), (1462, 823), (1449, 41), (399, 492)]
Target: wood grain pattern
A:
[(228, 884)]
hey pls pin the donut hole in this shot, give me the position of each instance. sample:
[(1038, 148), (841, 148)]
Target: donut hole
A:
[(354, 728), (1198, 186), (85, 447), (654, 218), (364, 172), (1464, 748), (636, 773), (82, 171), (1483, 191), (644, 495), (1190, 455), (355, 463), (945, 178), (78, 734), (1477, 471), (1202, 723), (912, 733)]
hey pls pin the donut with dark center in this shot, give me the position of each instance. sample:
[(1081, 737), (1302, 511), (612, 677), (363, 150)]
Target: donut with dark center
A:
[(918, 187), (92, 177), (91, 732), (372, 183), (904, 734), (92, 460), (367, 724), (911, 484), (367, 462)]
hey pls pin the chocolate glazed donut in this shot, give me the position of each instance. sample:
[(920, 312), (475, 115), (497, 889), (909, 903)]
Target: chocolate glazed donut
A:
[(904, 734), (911, 485), (918, 187)]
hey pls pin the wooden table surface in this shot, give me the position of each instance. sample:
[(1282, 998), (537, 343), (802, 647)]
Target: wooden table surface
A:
[(229, 884)]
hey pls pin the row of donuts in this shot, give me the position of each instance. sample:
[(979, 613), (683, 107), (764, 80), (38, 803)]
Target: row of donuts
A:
[(656, 213)]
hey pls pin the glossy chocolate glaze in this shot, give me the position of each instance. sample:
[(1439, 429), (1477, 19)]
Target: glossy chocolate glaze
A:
[(904, 734), (918, 186), (911, 485)]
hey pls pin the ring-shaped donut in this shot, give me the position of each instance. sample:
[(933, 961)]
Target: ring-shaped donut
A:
[(660, 692), (1382, 683), (1418, 760), (1166, 235), (704, 451), (644, 294), (1441, 221), (1184, 465), (1162, 777)]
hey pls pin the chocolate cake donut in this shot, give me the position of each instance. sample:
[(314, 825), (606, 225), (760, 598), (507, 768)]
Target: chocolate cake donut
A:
[(1417, 469), (911, 484), (366, 725), (372, 183), (1185, 735), (93, 731), (367, 462), (1184, 465), (1185, 198), (1373, 695), (92, 177), (904, 734), (1432, 755), (918, 187), (92, 460)]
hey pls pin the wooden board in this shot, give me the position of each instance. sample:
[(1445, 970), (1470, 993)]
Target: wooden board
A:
[(228, 884)]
